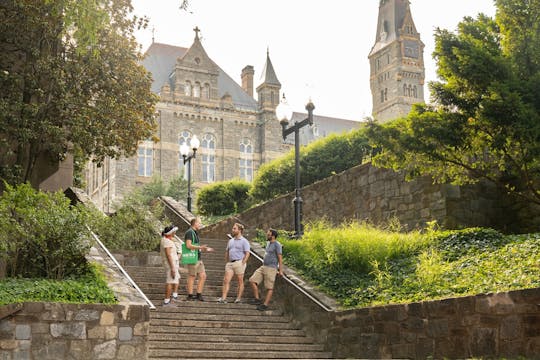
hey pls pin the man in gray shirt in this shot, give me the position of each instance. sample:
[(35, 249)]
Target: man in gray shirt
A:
[(236, 256), (268, 271)]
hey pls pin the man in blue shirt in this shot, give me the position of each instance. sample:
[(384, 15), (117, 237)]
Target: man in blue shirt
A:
[(236, 256), (272, 260)]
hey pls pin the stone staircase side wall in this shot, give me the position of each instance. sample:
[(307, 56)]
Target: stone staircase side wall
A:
[(379, 195), (500, 325), (43, 330)]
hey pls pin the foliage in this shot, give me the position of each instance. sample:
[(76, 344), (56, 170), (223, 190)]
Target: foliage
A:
[(41, 235), (71, 82), (318, 160), (364, 266), (485, 121), (225, 197), (88, 288)]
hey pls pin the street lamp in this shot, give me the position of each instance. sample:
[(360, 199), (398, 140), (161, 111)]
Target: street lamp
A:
[(284, 114), (184, 151)]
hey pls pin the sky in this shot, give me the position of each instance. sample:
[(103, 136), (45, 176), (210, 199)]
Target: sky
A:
[(319, 48)]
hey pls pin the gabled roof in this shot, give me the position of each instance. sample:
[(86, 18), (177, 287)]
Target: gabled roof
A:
[(322, 127), (160, 61)]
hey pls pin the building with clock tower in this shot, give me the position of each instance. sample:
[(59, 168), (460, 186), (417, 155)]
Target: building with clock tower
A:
[(396, 62)]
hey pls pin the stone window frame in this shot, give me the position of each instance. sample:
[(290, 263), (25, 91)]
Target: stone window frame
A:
[(245, 162), (145, 159), (208, 158)]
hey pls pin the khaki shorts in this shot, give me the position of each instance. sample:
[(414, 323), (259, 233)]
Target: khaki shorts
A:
[(267, 273), (176, 278), (237, 267), (194, 269)]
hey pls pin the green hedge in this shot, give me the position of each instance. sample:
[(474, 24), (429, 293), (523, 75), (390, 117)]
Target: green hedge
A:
[(223, 198), (320, 159)]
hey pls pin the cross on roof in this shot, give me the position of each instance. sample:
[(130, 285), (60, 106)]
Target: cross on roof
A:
[(196, 31)]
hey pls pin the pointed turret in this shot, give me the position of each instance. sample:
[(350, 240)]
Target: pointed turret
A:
[(268, 90), (396, 61)]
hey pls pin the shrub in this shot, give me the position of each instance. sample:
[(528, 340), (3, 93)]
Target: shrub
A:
[(41, 234), (223, 198), (320, 159), (90, 287)]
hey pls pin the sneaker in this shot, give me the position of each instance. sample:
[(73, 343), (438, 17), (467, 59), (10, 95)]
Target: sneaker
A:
[(222, 301), (174, 297), (199, 297), (237, 301), (191, 297), (167, 304), (262, 307), (255, 301)]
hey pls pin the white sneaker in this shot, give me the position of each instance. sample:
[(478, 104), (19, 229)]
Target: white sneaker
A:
[(222, 301)]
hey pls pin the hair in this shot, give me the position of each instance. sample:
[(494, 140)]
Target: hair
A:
[(274, 233), (193, 220), (239, 226), (167, 229)]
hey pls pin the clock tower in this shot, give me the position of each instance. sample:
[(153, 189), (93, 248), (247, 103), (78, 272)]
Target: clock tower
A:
[(396, 62)]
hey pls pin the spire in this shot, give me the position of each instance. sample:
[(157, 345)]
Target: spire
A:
[(268, 73), (392, 16), (197, 30)]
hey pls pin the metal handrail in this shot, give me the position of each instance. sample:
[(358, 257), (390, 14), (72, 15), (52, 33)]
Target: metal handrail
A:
[(150, 304), (299, 288)]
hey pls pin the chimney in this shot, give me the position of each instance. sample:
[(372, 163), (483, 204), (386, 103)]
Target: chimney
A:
[(247, 79)]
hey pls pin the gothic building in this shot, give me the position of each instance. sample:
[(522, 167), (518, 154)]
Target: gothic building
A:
[(396, 62), (197, 98)]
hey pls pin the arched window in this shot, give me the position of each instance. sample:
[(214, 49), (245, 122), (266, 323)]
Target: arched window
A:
[(206, 91), (404, 89), (415, 91), (272, 97), (246, 160), (409, 90), (183, 138), (382, 96), (386, 94), (197, 90), (208, 158), (187, 88), (145, 156)]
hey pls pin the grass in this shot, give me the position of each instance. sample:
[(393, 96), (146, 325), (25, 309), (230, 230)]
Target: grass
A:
[(362, 266), (86, 289)]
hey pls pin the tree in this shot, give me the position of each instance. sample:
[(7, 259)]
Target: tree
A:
[(70, 81), (485, 119)]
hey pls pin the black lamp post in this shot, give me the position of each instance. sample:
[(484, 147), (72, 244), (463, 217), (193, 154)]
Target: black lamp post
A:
[(184, 151), (284, 114)]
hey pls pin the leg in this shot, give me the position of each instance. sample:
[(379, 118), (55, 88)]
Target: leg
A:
[(168, 291), (268, 296), (255, 288), (190, 282), (226, 283), (200, 284), (240, 278)]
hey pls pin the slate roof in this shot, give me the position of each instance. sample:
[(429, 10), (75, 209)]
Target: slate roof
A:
[(160, 60), (322, 127)]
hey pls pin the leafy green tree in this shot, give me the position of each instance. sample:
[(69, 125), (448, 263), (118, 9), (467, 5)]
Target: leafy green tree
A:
[(224, 198), (70, 81), (41, 234), (318, 160), (485, 119)]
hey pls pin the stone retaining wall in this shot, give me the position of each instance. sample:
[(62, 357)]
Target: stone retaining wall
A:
[(501, 325), (42, 330)]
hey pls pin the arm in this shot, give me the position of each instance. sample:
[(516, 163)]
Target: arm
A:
[(246, 257), (280, 261)]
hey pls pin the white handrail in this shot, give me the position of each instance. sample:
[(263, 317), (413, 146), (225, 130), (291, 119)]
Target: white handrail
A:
[(150, 304), (325, 307)]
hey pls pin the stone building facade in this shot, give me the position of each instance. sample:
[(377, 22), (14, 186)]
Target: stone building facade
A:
[(396, 62), (197, 98)]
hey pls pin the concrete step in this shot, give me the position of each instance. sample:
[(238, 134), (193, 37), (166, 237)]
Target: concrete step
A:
[(229, 324), (221, 346), (233, 354), (232, 338), (223, 331)]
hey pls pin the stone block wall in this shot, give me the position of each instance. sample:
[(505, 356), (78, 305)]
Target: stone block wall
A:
[(501, 325), (42, 330), (379, 195)]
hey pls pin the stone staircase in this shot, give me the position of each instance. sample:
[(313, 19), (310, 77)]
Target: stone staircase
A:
[(210, 330)]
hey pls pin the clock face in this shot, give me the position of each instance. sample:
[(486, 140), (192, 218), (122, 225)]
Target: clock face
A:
[(411, 49)]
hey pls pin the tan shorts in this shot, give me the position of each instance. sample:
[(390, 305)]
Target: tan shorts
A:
[(176, 278), (237, 267), (267, 273), (194, 269)]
